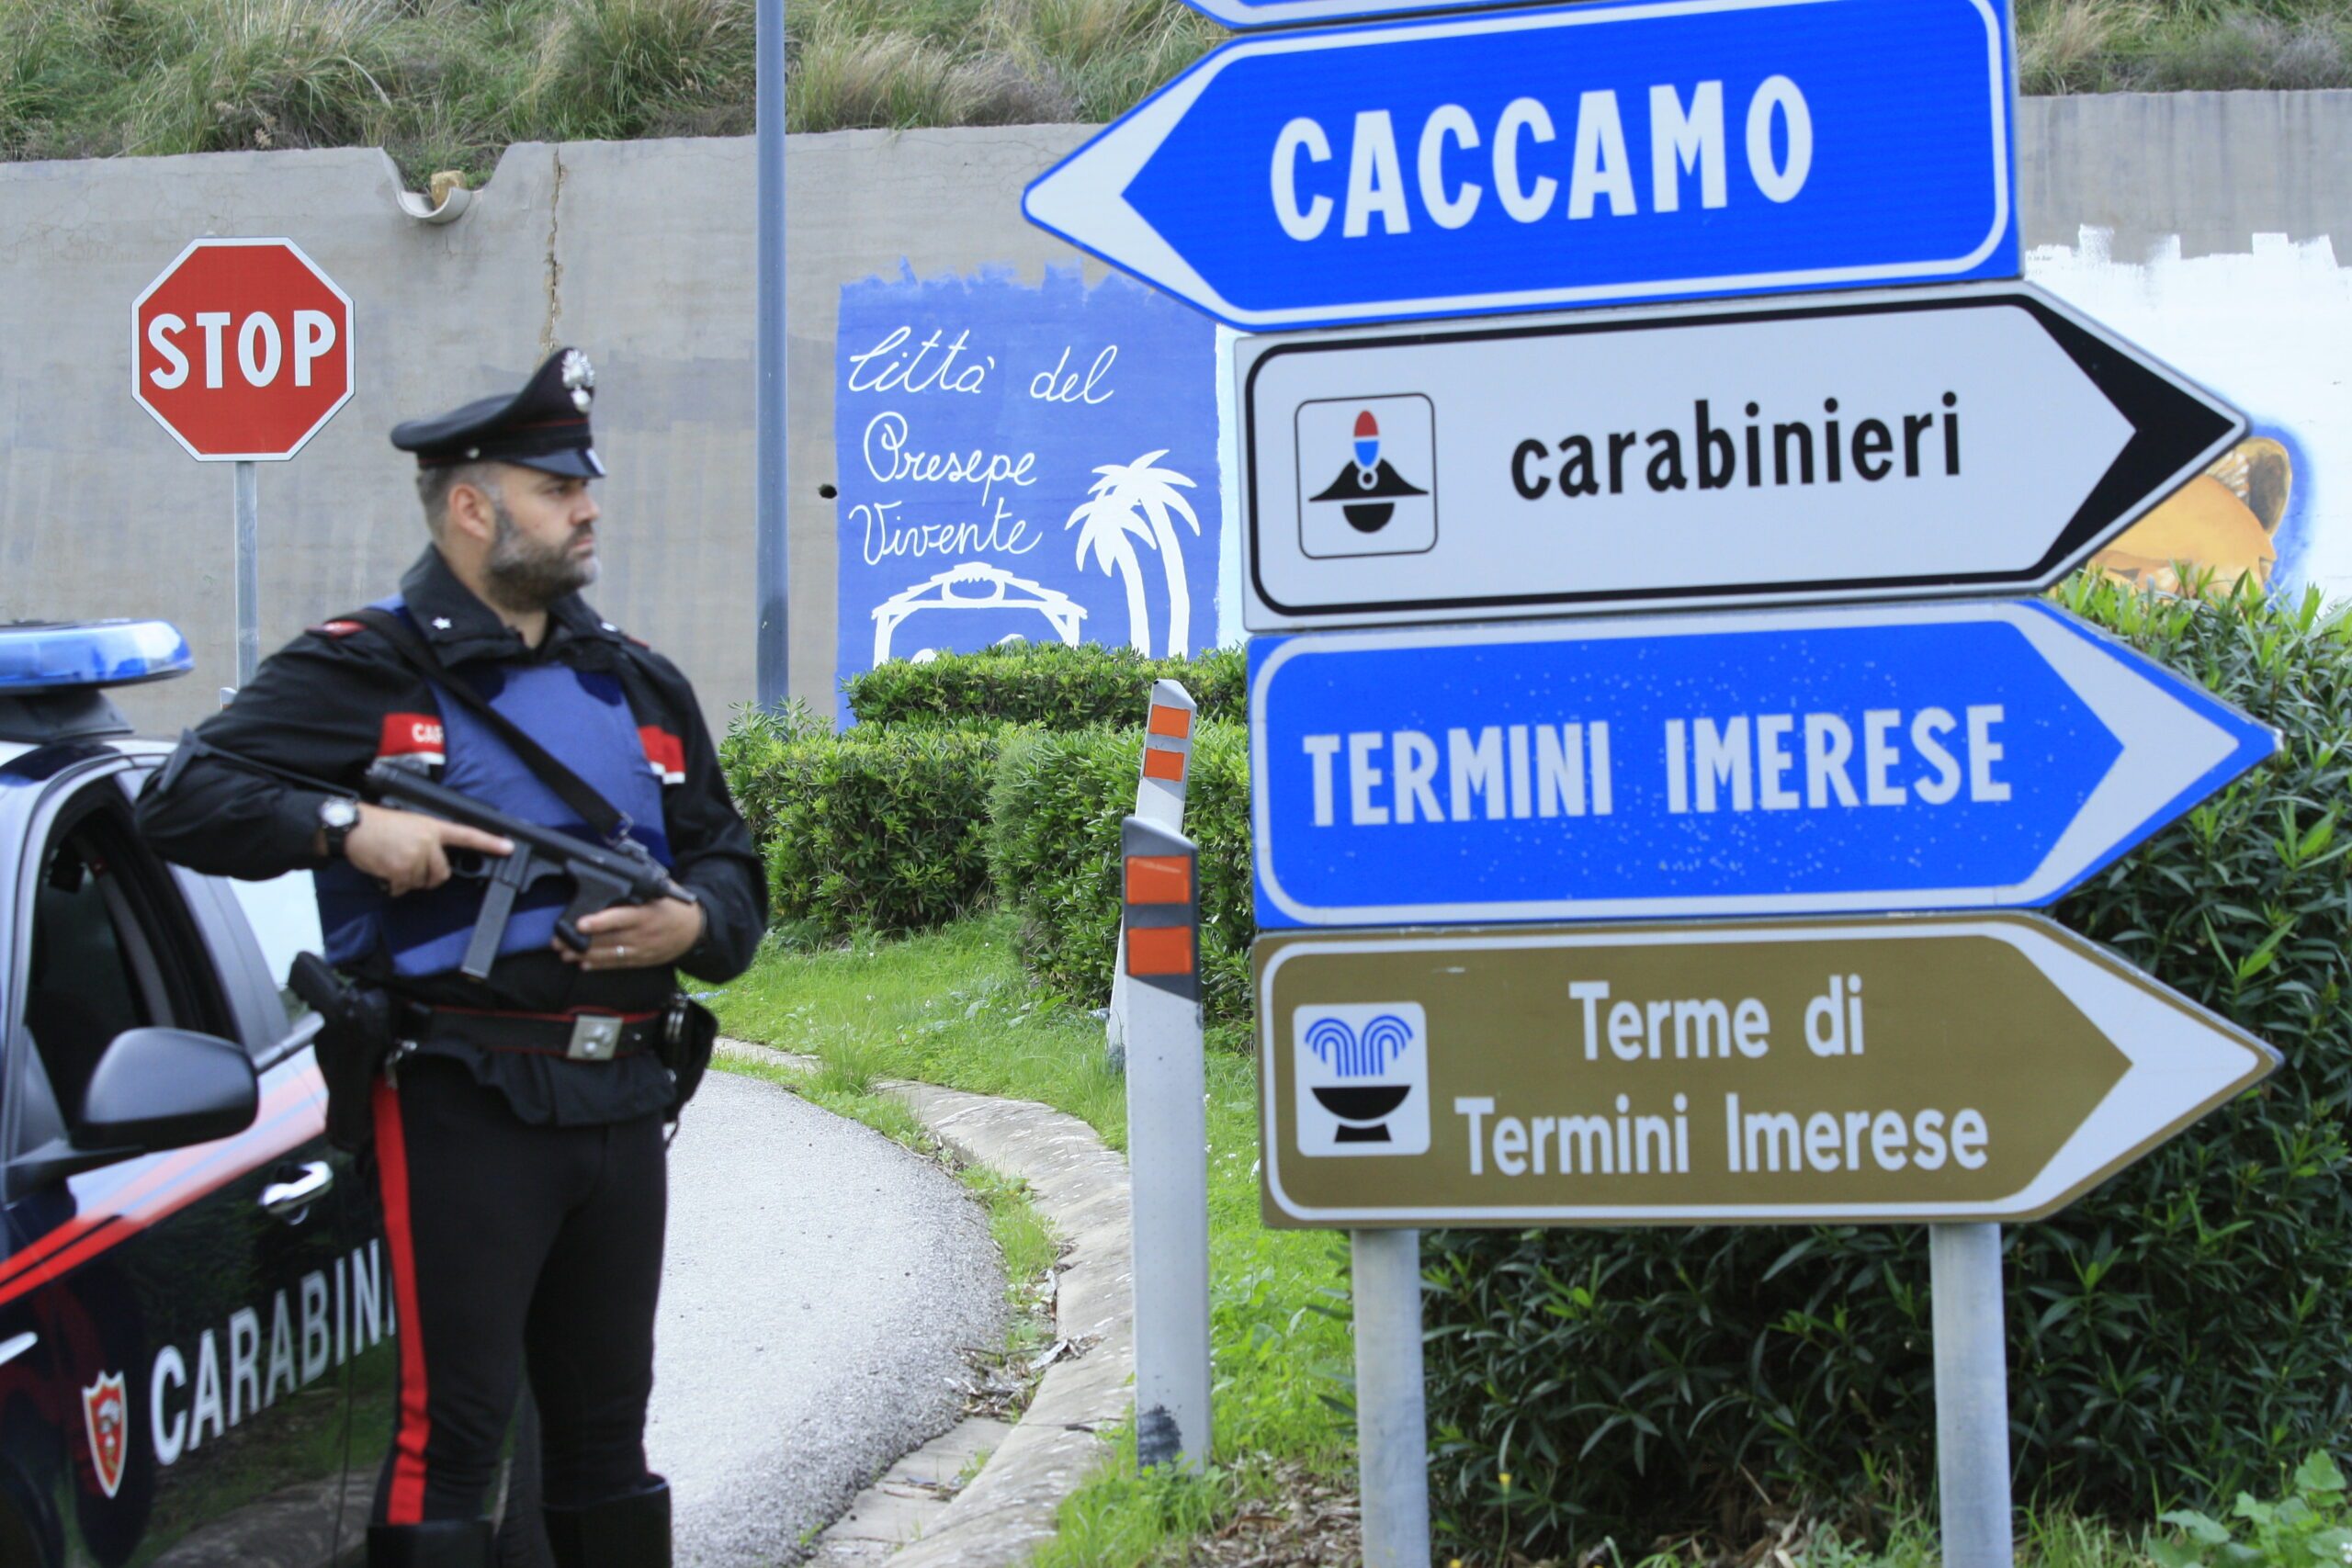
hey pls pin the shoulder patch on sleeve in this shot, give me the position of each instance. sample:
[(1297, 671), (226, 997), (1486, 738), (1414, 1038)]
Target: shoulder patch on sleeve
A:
[(664, 753), (412, 737), (337, 628)]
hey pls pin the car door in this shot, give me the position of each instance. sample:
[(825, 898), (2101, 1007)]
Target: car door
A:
[(182, 1318), (257, 927)]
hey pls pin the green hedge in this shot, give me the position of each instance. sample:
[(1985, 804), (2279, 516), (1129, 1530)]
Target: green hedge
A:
[(1045, 684), (872, 829), (2183, 1331), (1053, 854), (749, 752)]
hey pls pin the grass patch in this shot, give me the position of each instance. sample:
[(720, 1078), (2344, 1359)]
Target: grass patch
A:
[(449, 83), (2154, 46)]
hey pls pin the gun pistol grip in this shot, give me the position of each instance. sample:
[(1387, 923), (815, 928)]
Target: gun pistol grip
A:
[(591, 890)]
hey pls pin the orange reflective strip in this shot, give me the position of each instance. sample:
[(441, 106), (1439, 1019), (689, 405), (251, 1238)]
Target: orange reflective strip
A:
[(1159, 949), (1159, 764), (1159, 879), (1176, 723)]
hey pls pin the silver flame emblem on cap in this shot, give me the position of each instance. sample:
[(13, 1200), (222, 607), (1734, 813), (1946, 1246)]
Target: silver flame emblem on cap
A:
[(579, 377)]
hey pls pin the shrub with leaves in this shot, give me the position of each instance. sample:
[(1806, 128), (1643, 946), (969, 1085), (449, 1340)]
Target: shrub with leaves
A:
[(877, 829), (2180, 1333), (2306, 1529), (1046, 685), (749, 752), (1053, 854)]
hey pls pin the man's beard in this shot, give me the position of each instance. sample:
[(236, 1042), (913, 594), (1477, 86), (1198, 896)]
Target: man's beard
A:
[(524, 575)]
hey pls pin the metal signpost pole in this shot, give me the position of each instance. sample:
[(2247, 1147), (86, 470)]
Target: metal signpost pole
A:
[(1392, 1421), (248, 507), (772, 566), (1167, 1144), (1971, 1394)]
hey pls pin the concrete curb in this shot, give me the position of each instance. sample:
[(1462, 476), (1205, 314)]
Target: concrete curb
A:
[(1081, 1189)]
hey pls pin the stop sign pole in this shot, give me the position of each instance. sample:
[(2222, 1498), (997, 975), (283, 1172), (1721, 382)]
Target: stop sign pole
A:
[(242, 350)]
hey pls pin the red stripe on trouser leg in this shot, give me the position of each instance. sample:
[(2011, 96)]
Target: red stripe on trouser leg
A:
[(405, 1504)]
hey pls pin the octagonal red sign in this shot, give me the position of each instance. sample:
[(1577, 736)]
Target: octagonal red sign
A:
[(242, 349)]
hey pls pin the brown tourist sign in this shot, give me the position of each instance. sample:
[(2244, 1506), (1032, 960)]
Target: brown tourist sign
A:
[(1897, 1068)]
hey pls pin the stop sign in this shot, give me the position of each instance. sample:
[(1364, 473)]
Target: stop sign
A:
[(242, 349)]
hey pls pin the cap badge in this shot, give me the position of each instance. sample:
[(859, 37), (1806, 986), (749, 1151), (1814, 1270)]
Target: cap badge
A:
[(579, 379)]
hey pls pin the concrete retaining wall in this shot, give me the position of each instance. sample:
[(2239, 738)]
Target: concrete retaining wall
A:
[(643, 253)]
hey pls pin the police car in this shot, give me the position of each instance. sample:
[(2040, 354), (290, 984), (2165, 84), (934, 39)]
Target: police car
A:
[(196, 1310)]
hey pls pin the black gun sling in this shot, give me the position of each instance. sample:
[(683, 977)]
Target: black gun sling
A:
[(690, 1030)]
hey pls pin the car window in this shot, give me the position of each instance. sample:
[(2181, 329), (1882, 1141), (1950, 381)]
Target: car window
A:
[(84, 986), (284, 915), (111, 949)]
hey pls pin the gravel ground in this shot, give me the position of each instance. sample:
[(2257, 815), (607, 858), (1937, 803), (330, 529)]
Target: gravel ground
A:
[(822, 1287)]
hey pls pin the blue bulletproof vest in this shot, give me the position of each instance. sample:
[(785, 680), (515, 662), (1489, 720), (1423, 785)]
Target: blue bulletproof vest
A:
[(582, 718)]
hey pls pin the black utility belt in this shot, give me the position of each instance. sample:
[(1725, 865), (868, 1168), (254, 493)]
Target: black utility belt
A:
[(576, 1036)]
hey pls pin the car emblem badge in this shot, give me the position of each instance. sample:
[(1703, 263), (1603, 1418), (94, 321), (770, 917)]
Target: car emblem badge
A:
[(106, 1416)]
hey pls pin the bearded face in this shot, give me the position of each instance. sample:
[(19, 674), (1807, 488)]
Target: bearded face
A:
[(530, 573)]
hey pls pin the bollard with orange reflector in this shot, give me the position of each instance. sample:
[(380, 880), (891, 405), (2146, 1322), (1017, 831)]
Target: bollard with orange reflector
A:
[(1168, 1168), (1159, 799)]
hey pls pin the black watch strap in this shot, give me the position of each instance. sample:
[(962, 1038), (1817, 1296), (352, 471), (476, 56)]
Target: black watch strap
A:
[(333, 833)]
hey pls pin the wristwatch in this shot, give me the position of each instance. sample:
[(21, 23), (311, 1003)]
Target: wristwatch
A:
[(338, 815)]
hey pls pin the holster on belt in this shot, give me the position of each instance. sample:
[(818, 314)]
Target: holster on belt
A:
[(354, 1036), (689, 1031)]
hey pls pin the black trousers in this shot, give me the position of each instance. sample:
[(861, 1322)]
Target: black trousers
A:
[(514, 1245)]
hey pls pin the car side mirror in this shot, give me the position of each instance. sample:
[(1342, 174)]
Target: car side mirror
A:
[(166, 1088)]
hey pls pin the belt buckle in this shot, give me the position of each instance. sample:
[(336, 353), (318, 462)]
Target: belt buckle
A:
[(595, 1037)]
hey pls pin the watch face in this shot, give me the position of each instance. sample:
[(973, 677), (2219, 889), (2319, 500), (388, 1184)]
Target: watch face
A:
[(338, 813)]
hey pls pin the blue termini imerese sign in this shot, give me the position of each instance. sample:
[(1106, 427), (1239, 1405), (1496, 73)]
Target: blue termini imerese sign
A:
[(1922, 757), (1573, 155)]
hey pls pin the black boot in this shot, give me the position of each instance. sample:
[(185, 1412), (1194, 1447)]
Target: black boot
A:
[(628, 1531), (444, 1543)]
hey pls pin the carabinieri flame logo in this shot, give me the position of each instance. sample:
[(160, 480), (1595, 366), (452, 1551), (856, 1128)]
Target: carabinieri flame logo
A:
[(1367, 489)]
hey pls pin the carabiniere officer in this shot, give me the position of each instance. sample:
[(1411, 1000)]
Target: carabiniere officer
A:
[(519, 1128)]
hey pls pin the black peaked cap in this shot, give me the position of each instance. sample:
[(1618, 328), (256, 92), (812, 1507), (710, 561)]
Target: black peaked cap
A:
[(544, 426)]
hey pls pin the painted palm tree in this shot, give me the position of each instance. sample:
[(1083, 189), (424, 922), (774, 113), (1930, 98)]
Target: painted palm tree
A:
[(1138, 501)]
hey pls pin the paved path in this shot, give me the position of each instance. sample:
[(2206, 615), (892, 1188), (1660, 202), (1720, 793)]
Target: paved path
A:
[(820, 1288)]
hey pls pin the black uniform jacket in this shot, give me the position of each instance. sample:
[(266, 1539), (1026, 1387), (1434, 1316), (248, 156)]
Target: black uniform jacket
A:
[(317, 707)]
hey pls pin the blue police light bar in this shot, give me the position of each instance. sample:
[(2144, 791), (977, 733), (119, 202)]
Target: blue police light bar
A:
[(60, 655)]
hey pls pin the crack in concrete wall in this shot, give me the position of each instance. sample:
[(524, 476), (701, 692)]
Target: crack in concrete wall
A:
[(555, 262)]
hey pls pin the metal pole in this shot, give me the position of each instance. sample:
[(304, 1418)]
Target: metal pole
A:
[(1392, 1421), (248, 571), (1971, 1394), (1167, 1138), (771, 563)]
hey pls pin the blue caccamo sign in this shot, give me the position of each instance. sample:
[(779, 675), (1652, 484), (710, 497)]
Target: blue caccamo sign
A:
[(1924, 757), (1578, 155)]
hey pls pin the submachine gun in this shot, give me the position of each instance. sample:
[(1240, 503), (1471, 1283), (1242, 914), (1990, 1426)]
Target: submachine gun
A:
[(601, 877)]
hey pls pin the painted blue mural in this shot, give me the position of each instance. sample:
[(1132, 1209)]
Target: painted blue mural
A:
[(1018, 461)]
